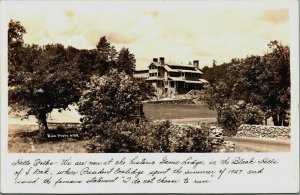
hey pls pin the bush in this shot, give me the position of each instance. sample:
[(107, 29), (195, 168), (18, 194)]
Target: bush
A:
[(228, 117), (112, 97), (127, 136), (186, 138), (150, 136), (232, 115)]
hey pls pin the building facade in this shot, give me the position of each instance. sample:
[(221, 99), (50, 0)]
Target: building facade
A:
[(172, 80)]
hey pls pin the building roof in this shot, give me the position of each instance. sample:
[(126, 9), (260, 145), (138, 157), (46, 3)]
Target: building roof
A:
[(170, 69), (198, 82), (176, 79), (188, 67), (191, 71), (156, 64), (154, 79), (181, 68), (141, 71)]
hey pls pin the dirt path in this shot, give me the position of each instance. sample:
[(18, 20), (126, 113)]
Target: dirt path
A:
[(261, 145)]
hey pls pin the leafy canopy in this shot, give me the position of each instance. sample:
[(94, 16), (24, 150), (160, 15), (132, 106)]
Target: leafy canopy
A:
[(112, 97), (262, 81)]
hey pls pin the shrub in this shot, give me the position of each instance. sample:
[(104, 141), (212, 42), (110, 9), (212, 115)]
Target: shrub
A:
[(150, 136), (115, 137), (112, 97), (228, 117), (128, 136), (251, 114), (187, 138), (232, 115)]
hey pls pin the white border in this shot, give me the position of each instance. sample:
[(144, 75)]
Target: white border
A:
[(287, 177)]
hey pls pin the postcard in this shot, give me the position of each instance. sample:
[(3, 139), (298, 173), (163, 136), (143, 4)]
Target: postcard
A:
[(149, 96)]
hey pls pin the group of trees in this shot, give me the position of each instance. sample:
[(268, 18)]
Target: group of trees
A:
[(217, 72), (43, 78), (253, 89)]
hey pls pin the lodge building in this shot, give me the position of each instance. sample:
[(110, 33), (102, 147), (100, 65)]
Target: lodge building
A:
[(172, 80)]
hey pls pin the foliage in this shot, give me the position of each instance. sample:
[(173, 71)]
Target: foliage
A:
[(232, 115), (15, 41), (149, 136), (217, 72), (43, 78), (114, 96), (147, 90), (187, 138), (125, 61), (129, 136), (40, 82), (262, 82), (107, 58)]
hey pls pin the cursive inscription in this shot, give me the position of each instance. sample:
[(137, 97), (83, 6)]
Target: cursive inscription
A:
[(136, 170)]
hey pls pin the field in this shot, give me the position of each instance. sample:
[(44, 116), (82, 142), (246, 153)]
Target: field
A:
[(22, 138), (178, 111)]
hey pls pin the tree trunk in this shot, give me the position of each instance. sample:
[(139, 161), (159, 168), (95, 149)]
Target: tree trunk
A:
[(283, 116), (266, 120), (275, 120), (42, 121)]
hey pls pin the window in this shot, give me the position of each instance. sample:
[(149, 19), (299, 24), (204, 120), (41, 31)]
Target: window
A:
[(172, 83)]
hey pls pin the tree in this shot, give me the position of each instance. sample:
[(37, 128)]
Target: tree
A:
[(15, 42), (102, 56), (216, 72), (265, 81), (275, 83), (126, 61), (261, 81), (112, 54), (40, 80), (112, 97), (84, 63), (214, 63), (147, 90), (51, 77)]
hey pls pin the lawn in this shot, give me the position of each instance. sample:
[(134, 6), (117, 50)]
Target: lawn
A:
[(23, 139), (178, 111)]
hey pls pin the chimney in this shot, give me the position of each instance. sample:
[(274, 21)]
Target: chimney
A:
[(155, 60), (196, 63), (162, 60)]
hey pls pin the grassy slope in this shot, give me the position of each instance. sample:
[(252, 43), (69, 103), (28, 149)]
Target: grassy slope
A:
[(173, 111), (21, 139)]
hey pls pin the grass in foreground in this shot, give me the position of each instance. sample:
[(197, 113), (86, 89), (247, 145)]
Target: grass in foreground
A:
[(22, 139)]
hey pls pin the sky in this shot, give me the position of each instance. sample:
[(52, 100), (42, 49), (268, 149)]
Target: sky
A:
[(179, 31)]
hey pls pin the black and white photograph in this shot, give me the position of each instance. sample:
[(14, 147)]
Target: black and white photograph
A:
[(153, 78), (218, 87)]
